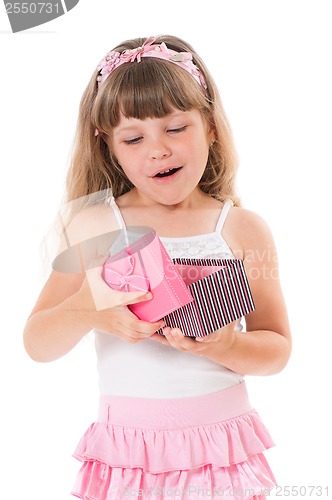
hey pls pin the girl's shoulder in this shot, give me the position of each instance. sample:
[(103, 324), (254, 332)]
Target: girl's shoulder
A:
[(91, 222), (247, 219), (83, 238), (246, 230)]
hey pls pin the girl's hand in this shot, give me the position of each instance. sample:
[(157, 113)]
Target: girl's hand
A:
[(221, 339), (106, 309)]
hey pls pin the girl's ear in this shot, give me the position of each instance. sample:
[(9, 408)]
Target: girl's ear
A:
[(101, 135)]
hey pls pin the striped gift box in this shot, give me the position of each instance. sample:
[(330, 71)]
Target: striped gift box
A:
[(221, 295)]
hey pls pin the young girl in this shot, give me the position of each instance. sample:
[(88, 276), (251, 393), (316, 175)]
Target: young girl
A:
[(174, 418)]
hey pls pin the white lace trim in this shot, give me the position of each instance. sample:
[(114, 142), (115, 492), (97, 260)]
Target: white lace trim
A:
[(211, 246)]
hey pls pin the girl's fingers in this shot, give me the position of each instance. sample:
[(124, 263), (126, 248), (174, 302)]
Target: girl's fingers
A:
[(105, 297), (128, 298), (159, 338), (177, 340), (129, 323), (200, 346), (137, 331)]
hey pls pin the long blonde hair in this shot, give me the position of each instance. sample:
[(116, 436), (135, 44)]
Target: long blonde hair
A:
[(151, 88)]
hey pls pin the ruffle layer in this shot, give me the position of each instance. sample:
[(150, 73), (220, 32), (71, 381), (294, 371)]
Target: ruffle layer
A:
[(252, 479), (163, 450)]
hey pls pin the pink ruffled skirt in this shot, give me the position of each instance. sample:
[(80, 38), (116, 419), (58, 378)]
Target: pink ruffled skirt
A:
[(191, 448)]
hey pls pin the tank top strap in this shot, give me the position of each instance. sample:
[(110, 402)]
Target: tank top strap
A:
[(119, 218), (118, 214), (223, 215)]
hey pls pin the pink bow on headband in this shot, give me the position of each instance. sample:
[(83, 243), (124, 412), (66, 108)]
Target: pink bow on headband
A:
[(127, 282)]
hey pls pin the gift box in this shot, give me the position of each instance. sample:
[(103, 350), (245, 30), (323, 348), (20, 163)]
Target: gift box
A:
[(221, 295), (144, 265)]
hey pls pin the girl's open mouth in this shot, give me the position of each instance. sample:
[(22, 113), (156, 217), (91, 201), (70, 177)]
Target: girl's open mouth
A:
[(167, 173)]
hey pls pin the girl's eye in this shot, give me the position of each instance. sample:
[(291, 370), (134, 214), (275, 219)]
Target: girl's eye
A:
[(135, 140), (177, 130)]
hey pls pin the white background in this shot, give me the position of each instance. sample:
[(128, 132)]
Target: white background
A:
[(272, 62)]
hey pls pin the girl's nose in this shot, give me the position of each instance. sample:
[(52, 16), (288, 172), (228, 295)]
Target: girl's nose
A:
[(159, 155), (159, 151)]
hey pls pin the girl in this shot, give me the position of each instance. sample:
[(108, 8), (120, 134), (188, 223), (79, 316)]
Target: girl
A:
[(174, 418)]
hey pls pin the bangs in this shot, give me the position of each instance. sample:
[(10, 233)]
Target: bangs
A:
[(152, 88)]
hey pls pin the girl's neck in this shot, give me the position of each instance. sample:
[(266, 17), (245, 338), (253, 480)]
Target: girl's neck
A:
[(196, 215), (136, 198)]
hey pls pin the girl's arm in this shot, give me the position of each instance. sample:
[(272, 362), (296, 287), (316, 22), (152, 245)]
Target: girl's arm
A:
[(266, 345), (66, 308), (65, 312)]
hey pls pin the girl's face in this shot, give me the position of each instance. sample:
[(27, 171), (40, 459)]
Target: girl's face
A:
[(163, 157)]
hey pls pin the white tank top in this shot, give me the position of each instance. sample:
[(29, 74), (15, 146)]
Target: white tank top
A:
[(149, 369)]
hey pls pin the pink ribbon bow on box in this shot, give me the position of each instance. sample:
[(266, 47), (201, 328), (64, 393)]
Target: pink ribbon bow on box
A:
[(154, 272), (125, 281)]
